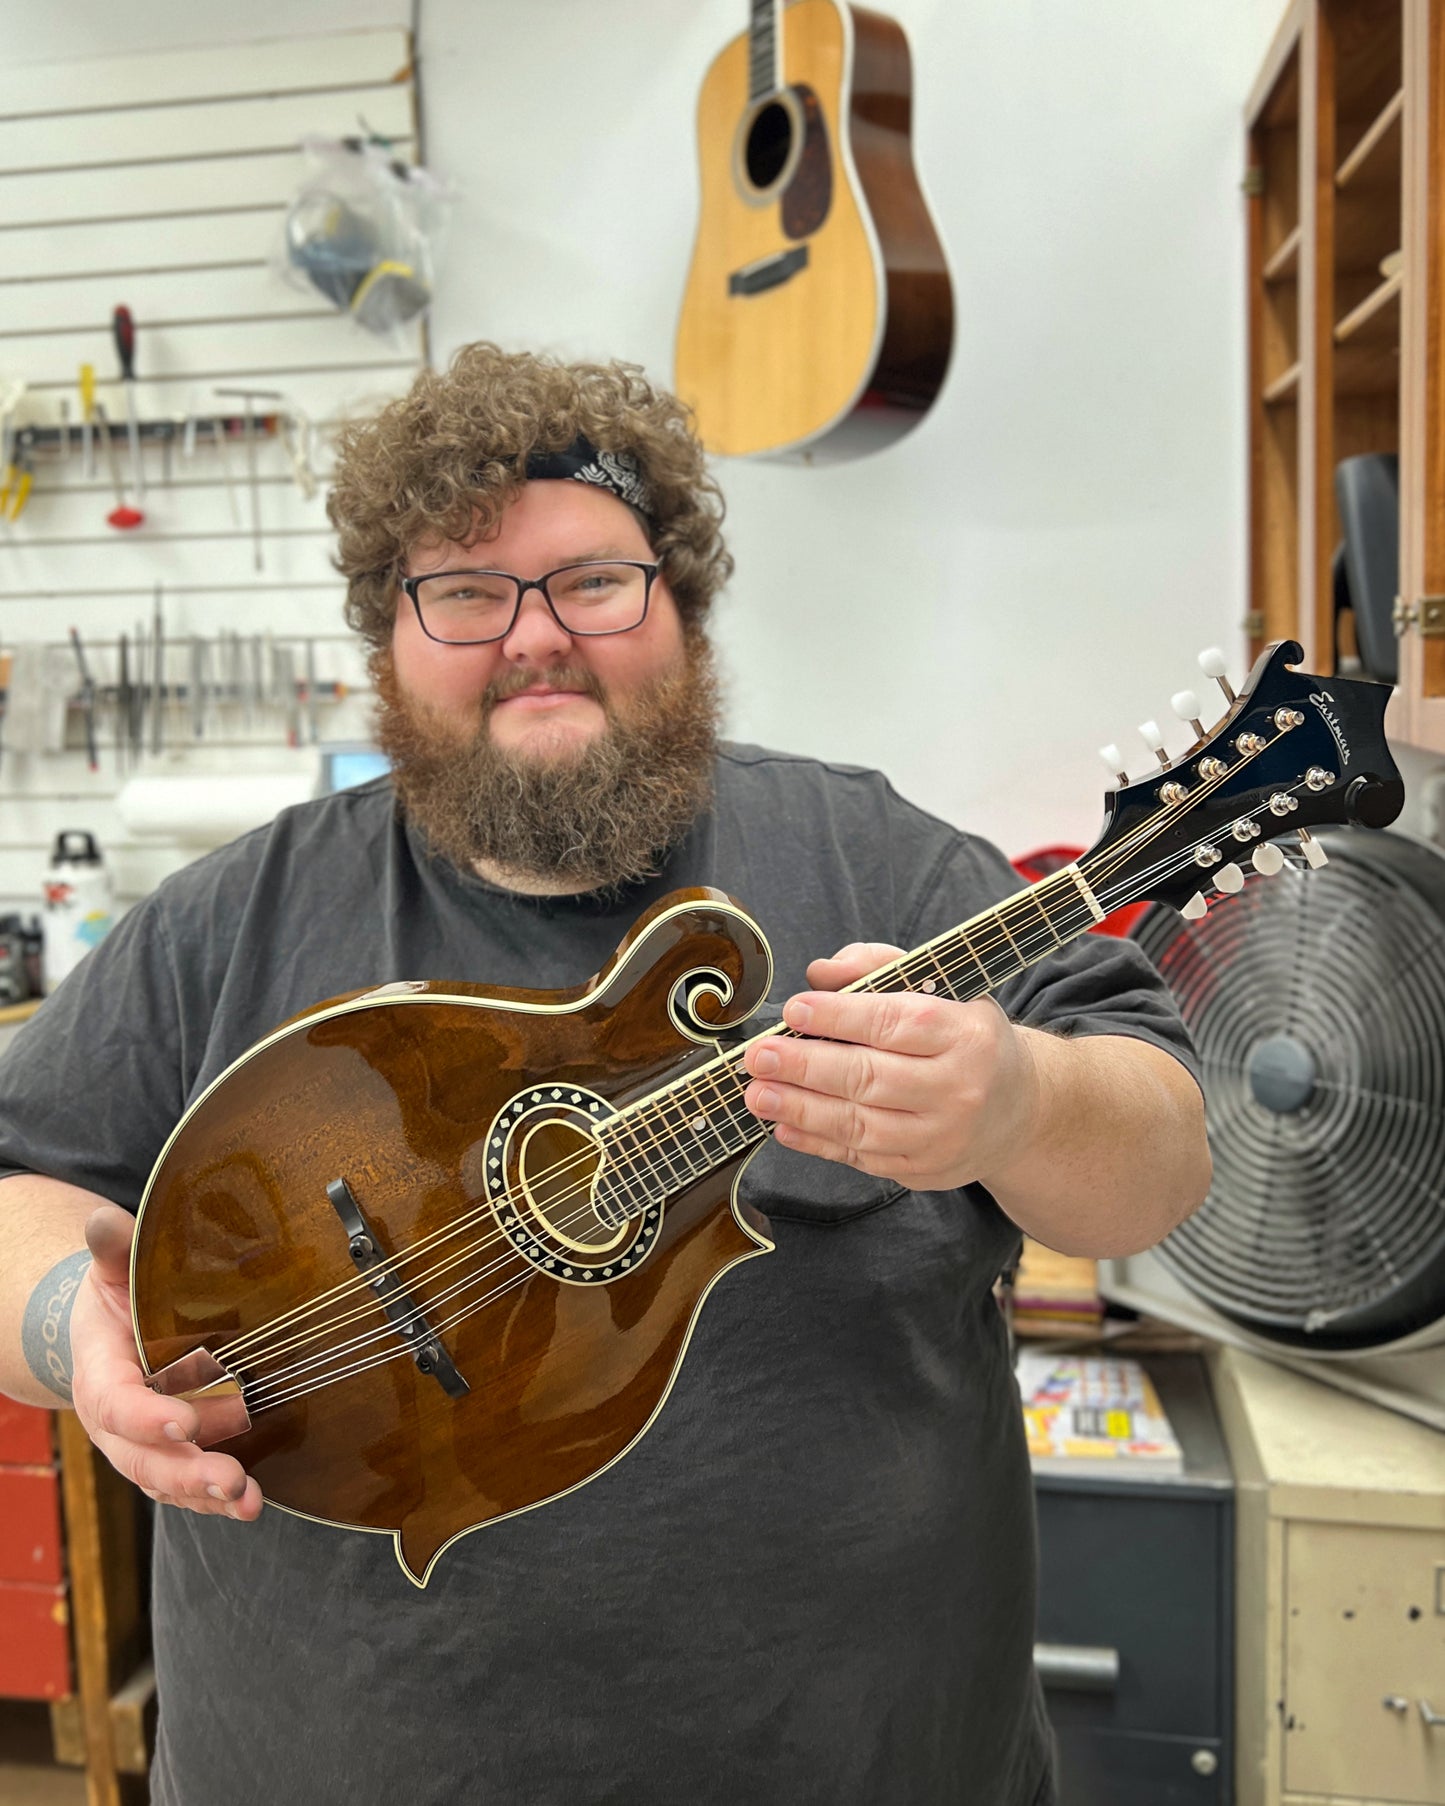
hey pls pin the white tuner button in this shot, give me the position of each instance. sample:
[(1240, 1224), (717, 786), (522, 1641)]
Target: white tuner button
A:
[(1185, 705), (1315, 855), (1213, 664), (1229, 879), (1114, 759), (1195, 907), (1267, 859), (1154, 740)]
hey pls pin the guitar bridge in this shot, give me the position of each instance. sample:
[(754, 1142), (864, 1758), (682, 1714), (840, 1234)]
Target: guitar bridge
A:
[(768, 272), (400, 1307)]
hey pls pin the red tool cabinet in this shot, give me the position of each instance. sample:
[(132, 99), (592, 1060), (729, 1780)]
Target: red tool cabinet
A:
[(34, 1599)]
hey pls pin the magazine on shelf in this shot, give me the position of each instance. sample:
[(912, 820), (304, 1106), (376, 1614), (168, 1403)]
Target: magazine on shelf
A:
[(1092, 1414)]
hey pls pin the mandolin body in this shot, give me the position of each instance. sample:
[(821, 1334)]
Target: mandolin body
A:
[(818, 314), (412, 1095)]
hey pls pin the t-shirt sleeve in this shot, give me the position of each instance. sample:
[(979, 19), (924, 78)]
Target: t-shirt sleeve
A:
[(92, 1086), (1096, 985)]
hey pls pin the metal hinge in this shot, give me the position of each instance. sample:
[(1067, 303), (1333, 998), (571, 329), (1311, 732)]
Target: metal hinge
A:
[(1253, 183), (1428, 615), (1253, 624)]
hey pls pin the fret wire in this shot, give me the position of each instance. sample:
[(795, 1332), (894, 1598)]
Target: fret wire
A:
[(672, 1100), (634, 1181), (662, 1158), (999, 917), (1038, 904)]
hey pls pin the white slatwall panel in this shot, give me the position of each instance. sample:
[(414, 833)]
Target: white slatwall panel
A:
[(160, 182)]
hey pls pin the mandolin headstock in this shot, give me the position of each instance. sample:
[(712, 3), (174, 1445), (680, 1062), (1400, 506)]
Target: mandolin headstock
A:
[(1293, 752)]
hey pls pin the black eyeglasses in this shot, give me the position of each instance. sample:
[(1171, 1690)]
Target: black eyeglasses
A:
[(472, 608)]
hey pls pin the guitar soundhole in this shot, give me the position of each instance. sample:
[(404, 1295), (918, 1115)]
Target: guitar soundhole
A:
[(770, 139)]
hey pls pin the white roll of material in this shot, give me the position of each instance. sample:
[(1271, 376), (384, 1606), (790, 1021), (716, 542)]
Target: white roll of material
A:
[(207, 811)]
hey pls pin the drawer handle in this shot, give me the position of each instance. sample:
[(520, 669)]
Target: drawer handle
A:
[(1077, 1666), (1430, 1715)]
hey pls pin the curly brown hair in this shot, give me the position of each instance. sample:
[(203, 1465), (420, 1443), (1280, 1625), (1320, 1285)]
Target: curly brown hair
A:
[(442, 461)]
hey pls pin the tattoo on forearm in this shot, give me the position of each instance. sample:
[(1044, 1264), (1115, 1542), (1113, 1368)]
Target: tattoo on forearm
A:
[(45, 1330)]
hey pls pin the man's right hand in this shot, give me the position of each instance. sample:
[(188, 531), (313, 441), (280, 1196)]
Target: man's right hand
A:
[(144, 1435)]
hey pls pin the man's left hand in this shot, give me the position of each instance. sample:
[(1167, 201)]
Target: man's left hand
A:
[(924, 1090)]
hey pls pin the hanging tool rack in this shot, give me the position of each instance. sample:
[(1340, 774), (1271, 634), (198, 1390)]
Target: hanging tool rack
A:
[(251, 682)]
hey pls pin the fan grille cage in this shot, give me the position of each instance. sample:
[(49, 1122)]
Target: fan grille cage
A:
[(1321, 1217)]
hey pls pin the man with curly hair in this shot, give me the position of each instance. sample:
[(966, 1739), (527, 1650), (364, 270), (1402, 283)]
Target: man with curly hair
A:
[(813, 1579)]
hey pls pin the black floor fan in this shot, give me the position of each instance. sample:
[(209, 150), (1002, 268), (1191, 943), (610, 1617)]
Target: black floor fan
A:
[(1318, 1009)]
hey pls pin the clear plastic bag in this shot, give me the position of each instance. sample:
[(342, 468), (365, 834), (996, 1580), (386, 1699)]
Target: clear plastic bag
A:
[(364, 231)]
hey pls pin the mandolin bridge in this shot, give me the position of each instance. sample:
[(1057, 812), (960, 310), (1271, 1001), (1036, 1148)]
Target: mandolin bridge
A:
[(401, 1308)]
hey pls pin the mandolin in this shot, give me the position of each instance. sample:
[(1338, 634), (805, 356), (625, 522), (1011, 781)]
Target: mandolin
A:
[(818, 315), (430, 1255)]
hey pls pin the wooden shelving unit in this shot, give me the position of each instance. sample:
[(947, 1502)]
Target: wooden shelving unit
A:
[(1346, 170)]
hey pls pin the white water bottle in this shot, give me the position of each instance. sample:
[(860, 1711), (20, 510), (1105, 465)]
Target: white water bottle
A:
[(79, 903)]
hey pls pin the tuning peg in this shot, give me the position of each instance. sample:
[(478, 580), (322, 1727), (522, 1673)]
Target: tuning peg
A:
[(1267, 858), (1315, 854), (1185, 705), (1114, 759), (1212, 664), (1195, 908), (1154, 740), (1229, 879)]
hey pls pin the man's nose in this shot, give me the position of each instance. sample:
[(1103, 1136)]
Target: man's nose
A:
[(536, 636)]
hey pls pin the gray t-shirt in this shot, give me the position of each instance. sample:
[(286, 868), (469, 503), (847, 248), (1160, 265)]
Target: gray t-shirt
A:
[(813, 1579)]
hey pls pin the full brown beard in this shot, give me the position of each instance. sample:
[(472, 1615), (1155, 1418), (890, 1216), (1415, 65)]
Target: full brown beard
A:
[(598, 816)]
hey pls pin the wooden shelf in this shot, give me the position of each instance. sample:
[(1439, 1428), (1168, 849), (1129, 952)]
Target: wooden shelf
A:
[(1367, 343), (1358, 320), (1285, 262), (1385, 124), (1283, 387)]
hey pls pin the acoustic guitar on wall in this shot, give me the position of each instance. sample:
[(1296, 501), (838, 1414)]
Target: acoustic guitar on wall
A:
[(818, 316)]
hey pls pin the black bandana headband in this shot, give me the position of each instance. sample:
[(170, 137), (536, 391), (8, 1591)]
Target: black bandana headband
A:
[(581, 461)]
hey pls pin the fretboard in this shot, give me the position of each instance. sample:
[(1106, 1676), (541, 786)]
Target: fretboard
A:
[(764, 70), (660, 1144)]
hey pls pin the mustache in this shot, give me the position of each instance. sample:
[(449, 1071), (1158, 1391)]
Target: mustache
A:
[(560, 677)]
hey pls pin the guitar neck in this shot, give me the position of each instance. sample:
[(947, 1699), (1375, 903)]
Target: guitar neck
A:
[(673, 1137), (765, 45)]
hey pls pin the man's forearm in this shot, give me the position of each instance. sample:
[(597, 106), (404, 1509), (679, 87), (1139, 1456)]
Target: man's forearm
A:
[(43, 1258), (1118, 1155)]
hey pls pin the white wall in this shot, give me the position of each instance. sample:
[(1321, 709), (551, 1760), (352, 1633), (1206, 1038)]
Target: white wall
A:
[(1029, 573)]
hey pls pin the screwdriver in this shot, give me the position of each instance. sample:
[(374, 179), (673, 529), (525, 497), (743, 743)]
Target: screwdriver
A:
[(123, 328), (87, 424)]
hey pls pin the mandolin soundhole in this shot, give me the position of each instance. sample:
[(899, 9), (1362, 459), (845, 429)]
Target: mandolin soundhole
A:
[(558, 1170), (547, 1170)]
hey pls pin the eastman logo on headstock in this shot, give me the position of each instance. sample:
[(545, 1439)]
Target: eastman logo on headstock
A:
[(1322, 701)]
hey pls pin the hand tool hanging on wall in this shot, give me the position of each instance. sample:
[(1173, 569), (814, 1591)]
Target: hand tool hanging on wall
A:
[(87, 422), (123, 516), (158, 692), (87, 700), (251, 397), (123, 329)]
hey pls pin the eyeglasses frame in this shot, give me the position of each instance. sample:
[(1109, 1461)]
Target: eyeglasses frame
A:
[(649, 570)]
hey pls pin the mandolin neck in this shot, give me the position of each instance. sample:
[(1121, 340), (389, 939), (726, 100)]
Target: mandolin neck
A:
[(673, 1137), (765, 49)]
